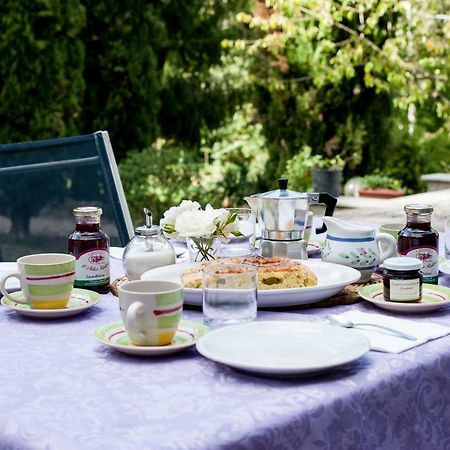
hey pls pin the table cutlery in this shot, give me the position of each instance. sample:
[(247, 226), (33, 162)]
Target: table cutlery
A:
[(336, 320)]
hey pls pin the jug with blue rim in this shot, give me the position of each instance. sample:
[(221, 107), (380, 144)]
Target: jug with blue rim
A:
[(357, 246)]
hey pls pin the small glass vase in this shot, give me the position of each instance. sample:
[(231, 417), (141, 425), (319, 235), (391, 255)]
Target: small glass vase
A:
[(204, 248)]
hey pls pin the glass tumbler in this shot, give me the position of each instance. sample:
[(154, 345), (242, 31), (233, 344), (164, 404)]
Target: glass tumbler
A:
[(243, 245), (447, 236), (229, 294)]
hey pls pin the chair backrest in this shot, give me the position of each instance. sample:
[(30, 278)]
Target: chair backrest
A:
[(42, 181)]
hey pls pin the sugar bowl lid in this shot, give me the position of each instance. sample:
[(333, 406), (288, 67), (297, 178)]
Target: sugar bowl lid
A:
[(283, 193), (148, 229)]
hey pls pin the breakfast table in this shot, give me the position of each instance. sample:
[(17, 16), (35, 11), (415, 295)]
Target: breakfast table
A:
[(63, 390)]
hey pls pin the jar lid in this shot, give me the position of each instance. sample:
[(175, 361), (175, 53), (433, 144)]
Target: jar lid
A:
[(418, 209), (85, 211), (403, 263), (144, 230)]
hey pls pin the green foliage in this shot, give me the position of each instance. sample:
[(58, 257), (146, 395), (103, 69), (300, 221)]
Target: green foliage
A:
[(42, 61), (238, 158), (298, 168), (380, 180), (157, 178), (201, 85), (334, 76), (121, 73)]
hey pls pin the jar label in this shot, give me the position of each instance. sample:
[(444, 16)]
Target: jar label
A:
[(92, 268), (404, 290), (430, 259)]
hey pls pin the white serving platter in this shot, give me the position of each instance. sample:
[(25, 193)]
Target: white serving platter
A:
[(332, 278)]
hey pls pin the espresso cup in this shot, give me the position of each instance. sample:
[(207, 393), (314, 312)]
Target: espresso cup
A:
[(46, 280), (151, 310)]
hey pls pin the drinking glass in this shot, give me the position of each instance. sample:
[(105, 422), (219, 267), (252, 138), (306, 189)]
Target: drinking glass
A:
[(447, 236), (241, 245), (229, 294)]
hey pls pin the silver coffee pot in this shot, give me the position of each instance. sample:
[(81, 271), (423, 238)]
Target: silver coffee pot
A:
[(283, 215)]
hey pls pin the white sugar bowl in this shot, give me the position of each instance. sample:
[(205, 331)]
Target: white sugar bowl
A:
[(148, 250)]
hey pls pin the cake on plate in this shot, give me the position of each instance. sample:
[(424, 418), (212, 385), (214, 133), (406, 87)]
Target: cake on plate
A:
[(273, 273)]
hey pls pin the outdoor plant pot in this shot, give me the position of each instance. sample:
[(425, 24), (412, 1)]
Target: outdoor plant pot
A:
[(327, 180), (381, 193)]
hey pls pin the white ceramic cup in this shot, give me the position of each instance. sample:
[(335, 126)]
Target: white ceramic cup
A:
[(46, 280), (151, 310)]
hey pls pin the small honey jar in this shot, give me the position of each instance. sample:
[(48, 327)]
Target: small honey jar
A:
[(402, 280)]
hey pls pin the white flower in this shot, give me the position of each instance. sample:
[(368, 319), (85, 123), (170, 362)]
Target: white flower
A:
[(172, 214), (196, 223), (188, 220)]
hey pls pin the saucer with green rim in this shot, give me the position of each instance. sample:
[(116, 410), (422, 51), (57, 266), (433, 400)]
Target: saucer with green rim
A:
[(80, 300), (433, 297), (114, 336)]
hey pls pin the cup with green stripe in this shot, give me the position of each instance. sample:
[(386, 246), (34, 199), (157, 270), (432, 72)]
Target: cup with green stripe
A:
[(151, 310), (46, 280)]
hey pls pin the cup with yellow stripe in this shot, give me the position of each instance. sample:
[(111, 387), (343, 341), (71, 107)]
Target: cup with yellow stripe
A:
[(151, 310), (46, 280)]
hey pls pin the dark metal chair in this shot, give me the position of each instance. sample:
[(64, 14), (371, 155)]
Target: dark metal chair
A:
[(42, 181)]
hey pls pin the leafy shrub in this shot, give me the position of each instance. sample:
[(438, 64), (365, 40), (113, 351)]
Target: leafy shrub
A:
[(157, 178), (379, 180), (298, 168)]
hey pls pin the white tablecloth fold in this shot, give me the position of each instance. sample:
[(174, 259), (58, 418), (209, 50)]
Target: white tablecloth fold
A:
[(384, 341)]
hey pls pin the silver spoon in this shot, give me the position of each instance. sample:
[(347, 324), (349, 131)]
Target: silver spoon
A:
[(335, 320)]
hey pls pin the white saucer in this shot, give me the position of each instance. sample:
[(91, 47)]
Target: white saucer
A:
[(114, 335), (283, 347), (80, 300), (433, 297)]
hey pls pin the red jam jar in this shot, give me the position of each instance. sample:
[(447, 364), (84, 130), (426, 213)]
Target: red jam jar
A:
[(90, 246), (402, 280), (419, 240)]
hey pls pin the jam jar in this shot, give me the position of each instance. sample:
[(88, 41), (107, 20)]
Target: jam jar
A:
[(419, 240), (90, 246), (148, 249), (402, 280)]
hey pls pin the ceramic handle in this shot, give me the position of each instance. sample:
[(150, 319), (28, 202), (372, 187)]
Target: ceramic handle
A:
[(135, 309), (390, 242), (5, 292)]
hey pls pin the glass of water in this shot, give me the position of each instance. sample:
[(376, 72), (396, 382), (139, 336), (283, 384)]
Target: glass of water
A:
[(229, 294), (447, 236), (244, 244)]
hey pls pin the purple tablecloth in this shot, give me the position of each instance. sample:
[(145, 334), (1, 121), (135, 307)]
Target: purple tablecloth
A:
[(61, 389)]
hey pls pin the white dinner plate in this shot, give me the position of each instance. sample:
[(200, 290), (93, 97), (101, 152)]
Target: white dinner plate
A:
[(433, 297), (283, 347), (331, 278), (444, 266), (12, 284)]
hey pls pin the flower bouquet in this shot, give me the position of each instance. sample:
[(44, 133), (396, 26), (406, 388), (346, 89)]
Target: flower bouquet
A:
[(203, 229)]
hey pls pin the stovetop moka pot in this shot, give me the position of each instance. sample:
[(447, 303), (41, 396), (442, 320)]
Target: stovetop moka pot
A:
[(282, 215)]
